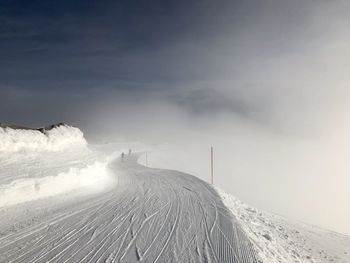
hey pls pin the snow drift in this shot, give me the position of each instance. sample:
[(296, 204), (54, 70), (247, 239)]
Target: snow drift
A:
[(95, 177), (54, 138), (277, 239), (43, 162)]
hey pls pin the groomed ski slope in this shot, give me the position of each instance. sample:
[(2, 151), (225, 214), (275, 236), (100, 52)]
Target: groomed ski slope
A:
[(151, 215), (62, 200)]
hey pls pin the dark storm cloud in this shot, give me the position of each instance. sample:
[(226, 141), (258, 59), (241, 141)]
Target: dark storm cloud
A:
[(206, 57), (160, 46)]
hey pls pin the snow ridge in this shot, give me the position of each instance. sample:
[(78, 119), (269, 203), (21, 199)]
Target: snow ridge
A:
[(57, 138), (95, 177), (277, 239)]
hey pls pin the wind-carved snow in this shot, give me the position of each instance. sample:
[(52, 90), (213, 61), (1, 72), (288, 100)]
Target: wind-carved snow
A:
[(36, 164), (55, 139), (94, 177), (277, 239)]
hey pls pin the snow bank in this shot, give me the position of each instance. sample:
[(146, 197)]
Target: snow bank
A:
[(55, 139), (94, 177), (276, 239)]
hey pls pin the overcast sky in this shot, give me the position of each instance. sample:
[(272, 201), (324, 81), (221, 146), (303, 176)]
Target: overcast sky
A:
[(271, 77), (258, 59)]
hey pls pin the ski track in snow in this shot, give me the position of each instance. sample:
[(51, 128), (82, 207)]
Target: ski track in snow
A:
[(152, 215)]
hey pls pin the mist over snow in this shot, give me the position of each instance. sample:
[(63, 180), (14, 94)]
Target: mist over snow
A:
[(80, 197), (264, 82)]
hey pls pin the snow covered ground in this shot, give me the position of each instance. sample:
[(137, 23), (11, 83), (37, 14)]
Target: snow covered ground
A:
[(277, 239), (62, 200), (48, 214)]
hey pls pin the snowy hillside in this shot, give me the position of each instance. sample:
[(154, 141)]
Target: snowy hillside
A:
[(62, 200)]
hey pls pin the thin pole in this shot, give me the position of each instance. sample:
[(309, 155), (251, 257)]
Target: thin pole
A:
[(212, 164)]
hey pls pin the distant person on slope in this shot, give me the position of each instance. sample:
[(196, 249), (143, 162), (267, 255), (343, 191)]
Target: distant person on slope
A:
[(122, 156)]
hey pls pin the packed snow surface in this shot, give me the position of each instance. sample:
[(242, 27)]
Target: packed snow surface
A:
[(87, 204), (275, 239), (55, 139), (48, 212), (151, 215)]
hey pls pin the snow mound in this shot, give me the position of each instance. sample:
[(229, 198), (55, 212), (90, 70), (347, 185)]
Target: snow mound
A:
[(57, 138), (277, 239), (94, 177)]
